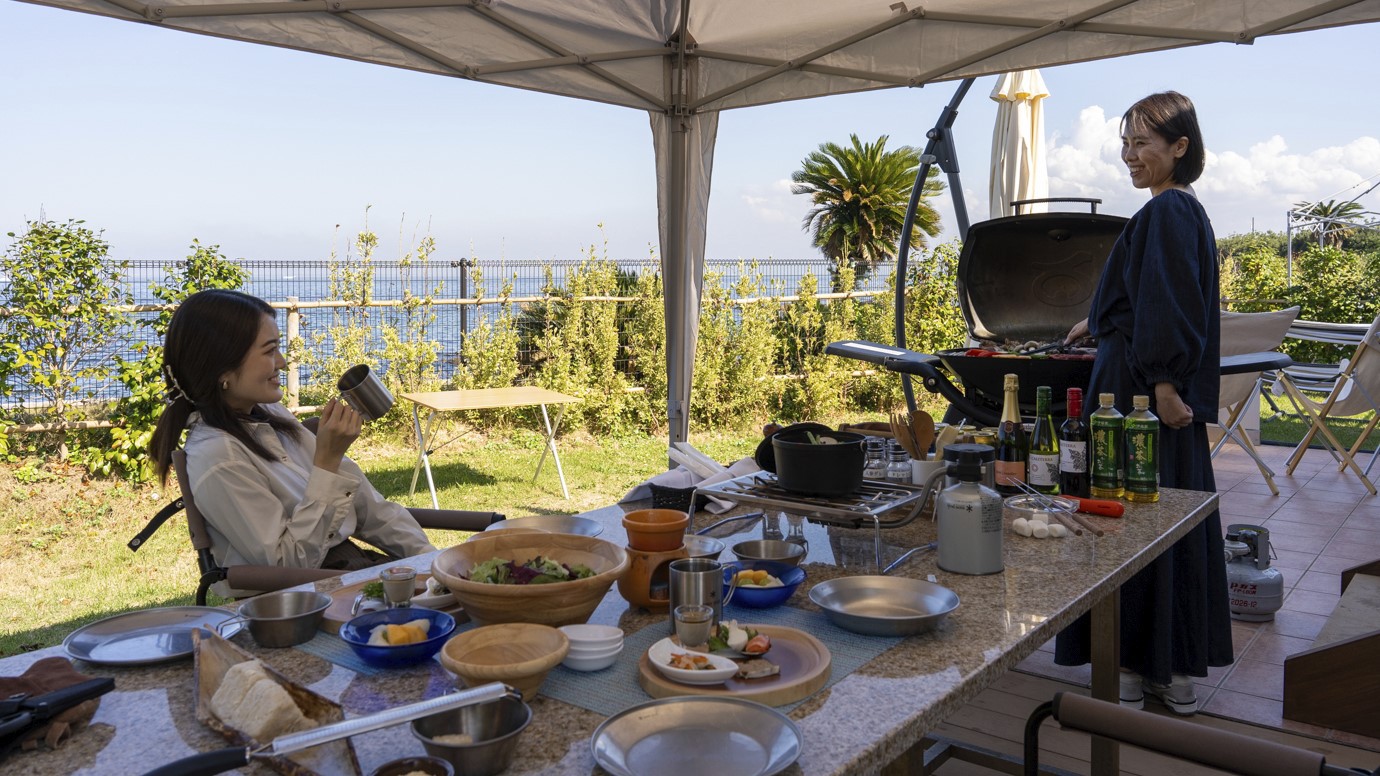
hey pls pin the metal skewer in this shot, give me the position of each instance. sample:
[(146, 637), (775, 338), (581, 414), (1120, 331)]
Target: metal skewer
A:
[(1065, 517)]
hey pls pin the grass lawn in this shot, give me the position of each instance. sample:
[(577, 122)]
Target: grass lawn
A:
[(65, 562), (1288, 428)]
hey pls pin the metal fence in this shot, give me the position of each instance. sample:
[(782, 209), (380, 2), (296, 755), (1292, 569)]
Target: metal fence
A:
[(460, 306)]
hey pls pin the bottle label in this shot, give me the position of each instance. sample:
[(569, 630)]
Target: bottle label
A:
[(1142, 459), (1009, 471), (1044, 470), (1107, 467), (1073, 457)]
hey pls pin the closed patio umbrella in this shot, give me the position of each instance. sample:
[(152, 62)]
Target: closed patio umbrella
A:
[(1018, 170)]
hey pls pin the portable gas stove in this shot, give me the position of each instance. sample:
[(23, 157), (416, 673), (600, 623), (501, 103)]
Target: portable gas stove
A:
[(864, 507)]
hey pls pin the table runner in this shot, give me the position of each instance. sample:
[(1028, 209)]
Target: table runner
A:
[(615, 688)]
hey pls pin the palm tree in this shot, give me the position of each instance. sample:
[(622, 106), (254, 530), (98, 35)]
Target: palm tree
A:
[(1332, 220), (860, 194)]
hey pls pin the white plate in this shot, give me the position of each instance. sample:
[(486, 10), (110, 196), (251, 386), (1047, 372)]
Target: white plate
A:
[(434, 601), (660, 656)]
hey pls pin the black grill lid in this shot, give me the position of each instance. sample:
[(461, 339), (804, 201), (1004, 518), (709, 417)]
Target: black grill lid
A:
[(1032, 277)]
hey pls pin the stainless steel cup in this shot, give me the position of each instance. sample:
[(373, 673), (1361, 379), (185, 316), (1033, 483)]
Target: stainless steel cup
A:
[(699, 581), (365, 393)]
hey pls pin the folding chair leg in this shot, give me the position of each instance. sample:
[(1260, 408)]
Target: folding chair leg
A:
[(1265, 470), (1335, 446)]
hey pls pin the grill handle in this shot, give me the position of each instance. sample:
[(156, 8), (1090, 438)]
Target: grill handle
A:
[(923, 365)]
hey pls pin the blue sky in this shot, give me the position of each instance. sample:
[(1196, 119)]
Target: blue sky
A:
[(158, 137)]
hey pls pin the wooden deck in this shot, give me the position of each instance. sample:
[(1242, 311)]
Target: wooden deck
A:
[(1321, 522)]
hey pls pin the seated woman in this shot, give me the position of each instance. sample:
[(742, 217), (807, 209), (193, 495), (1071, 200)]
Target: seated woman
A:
[(271, 492)]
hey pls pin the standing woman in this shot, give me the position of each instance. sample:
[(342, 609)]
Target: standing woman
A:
[(273, 494), (1156, 317)]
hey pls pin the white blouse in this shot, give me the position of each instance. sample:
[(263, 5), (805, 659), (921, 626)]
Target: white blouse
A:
[(286, 512)]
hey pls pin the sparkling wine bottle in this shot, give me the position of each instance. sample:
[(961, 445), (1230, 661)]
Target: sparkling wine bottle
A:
[(1011, 442)]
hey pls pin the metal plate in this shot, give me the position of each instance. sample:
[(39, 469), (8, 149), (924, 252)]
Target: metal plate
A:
[(722, 736), (146, 636), (565, 524), (884, 606)]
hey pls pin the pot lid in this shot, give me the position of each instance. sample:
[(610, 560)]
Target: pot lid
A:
[(1032, 277)]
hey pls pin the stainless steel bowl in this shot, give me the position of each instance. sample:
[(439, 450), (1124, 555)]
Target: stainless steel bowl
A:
[(285, 619), (431, 766), (703, 546), (563, 524), (494, 727), (884, 606), (770, 549)]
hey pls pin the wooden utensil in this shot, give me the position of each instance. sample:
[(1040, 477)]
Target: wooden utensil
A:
[(901, 428), (922, 433)]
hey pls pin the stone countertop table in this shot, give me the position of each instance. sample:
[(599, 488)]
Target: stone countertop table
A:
[(866, 721)]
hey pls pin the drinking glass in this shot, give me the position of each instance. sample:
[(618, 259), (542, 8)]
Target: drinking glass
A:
[(398, 583), (692, 625)]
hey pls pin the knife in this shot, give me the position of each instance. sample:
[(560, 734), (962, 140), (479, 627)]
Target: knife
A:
[(1098, 506)]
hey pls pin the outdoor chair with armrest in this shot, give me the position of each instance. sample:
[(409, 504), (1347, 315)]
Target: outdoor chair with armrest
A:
[(269, 578), (1353, 391), (1248, 333)]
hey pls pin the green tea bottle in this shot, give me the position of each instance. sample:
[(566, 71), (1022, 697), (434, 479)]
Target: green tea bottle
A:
[(1108, 428), (1042, 466), (1142, 452)]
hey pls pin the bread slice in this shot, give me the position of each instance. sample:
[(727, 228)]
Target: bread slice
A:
[(235, 685), (757, 668), (250, 701)]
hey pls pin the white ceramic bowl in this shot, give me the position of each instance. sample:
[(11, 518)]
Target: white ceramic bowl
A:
[(588, 636), (595, 651), (576, 661), (660, 656)]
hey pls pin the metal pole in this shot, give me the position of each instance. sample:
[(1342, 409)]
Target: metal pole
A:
[(464, 308)]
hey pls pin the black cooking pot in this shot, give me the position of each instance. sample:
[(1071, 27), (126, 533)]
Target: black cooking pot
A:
[(818, 463)]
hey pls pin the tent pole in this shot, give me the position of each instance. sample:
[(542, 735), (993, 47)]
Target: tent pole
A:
[(939, 150)]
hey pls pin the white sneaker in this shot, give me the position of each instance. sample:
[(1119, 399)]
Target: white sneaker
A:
[(1179, 695), (1132, 695)]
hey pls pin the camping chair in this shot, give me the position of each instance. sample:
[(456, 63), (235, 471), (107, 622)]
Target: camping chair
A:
[(268, 578), (1248, 333), (1202, 744), (1351, 392)]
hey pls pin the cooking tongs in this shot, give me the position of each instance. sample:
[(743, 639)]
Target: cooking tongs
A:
[(222, 760), (21, 713)]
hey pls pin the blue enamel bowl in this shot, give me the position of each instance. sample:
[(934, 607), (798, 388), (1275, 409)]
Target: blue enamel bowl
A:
[(356, 634), (763, 597)]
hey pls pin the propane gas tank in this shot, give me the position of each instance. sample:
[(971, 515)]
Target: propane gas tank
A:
[(1256, 590)]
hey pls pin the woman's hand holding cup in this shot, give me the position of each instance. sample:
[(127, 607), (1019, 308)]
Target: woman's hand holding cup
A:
[(339, 428)]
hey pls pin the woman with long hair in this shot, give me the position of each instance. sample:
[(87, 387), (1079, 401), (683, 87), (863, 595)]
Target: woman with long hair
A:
[(272, 493)]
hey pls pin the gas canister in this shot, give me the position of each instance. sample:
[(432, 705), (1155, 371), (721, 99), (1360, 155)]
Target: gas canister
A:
[(1256, 590)]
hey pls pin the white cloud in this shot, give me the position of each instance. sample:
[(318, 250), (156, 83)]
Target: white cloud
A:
[(1239, 187), (773, 203)]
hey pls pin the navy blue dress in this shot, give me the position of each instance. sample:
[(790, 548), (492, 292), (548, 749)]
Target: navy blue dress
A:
[(1156, 317)]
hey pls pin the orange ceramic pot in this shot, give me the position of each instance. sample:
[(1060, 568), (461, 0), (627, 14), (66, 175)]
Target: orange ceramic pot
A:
[(655, 530)]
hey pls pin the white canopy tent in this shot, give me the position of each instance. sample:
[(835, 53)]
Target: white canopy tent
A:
[(685, 61)]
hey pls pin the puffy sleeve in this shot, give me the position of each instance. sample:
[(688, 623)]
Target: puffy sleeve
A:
[(1167, 279), (386, 524)]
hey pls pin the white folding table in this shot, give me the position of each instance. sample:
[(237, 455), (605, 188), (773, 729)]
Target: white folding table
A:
[(483, 399)]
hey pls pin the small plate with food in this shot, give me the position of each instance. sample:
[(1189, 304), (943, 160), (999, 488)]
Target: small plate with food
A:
[(738, 642), (688, 667), (435, 596)]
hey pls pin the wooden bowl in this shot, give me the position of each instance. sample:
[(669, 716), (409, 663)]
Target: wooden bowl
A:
[(516, 653), (655, 530), (554, 604)]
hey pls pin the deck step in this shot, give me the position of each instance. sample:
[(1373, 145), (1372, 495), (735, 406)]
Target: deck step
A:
[(1357, 614)]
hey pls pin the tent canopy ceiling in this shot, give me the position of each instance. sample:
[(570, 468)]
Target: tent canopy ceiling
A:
[(732, 54), (746, 53)]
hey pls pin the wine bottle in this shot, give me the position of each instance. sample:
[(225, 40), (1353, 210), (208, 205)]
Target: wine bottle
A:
[(1142, 452), (1011, 444), (1108, 428), (1073, 448), (1043, 462)]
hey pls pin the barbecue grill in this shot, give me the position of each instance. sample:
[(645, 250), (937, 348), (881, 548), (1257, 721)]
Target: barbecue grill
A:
[(1020, 278)]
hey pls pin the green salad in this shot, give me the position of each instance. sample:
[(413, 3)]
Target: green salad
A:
[(538, 571)]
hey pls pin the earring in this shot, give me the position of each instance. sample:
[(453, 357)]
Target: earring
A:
[(225, 385)]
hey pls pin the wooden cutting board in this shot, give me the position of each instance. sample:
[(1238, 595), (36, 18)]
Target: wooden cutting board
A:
[(343, 598), (805, 665)]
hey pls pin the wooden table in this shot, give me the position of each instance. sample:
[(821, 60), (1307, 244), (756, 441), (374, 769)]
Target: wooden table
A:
[(483, 399)]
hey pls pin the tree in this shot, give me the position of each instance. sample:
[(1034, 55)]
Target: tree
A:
[(1332, 220), (860, 194)]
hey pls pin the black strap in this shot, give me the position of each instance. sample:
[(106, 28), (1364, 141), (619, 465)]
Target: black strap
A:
[(158, 520)]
